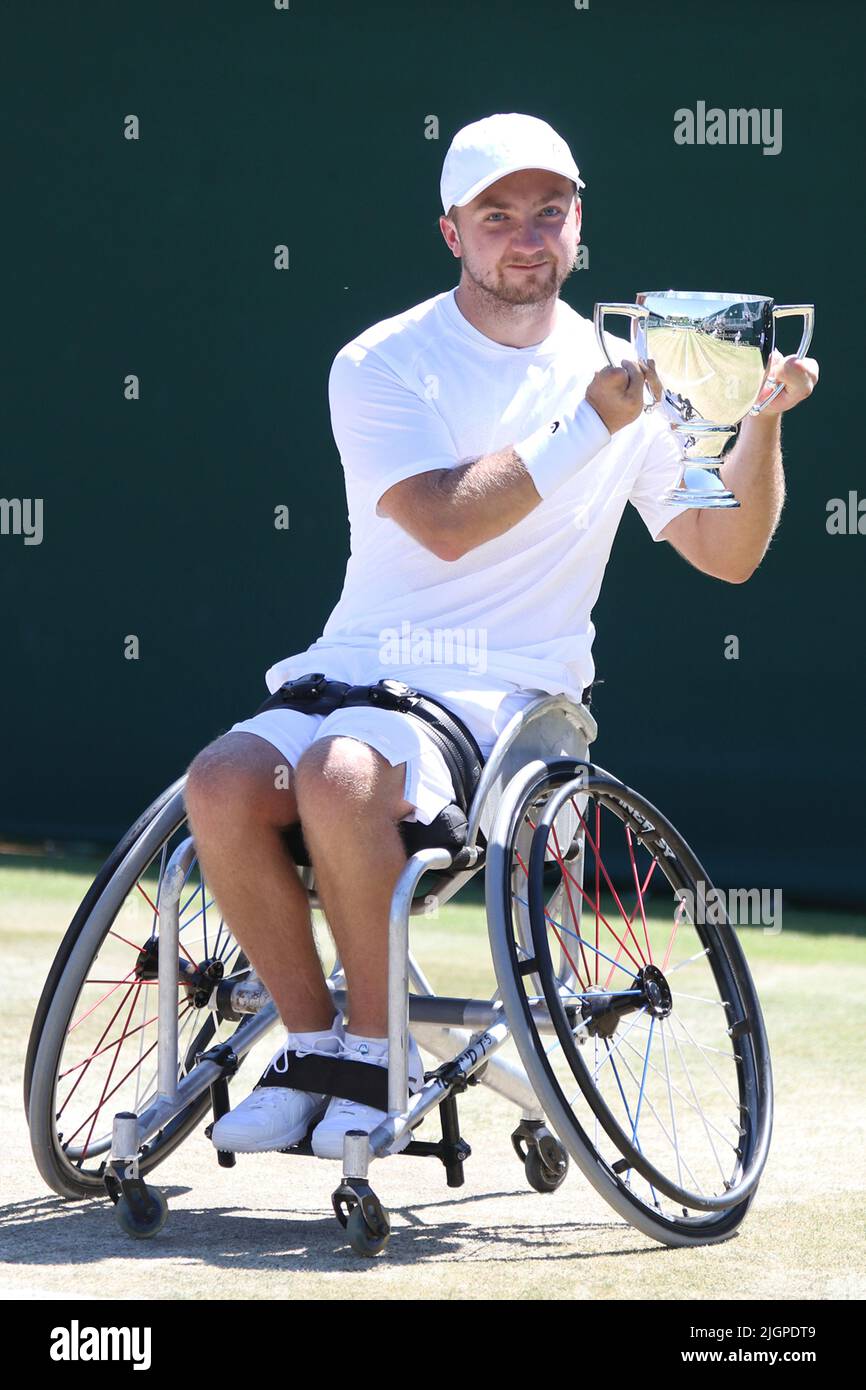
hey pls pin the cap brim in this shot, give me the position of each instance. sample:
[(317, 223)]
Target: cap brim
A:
[(480, 186)]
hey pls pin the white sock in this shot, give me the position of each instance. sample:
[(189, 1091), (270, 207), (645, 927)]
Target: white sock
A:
[(376, 1045), (307, 1039)]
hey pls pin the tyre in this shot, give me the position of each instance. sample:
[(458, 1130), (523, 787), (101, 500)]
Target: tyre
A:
[(630, 1001), (132, 1223), (93, 1043)]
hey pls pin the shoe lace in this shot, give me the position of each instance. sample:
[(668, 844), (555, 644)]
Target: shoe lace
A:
[(300, 1050)]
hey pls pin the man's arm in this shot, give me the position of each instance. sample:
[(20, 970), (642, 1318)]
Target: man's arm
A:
[(452, 510), (730, 543), (480, 498)]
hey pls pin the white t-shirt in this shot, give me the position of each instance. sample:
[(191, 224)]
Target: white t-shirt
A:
[(426, 390)]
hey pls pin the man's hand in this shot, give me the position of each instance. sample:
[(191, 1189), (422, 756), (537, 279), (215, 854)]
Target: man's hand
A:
[(799, 378), (616, 393)]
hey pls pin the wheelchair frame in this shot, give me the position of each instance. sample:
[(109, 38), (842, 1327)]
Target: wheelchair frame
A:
[(551, 733), (542, 728)]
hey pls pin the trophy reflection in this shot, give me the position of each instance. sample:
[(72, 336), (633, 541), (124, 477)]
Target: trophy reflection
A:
[(711, 353)]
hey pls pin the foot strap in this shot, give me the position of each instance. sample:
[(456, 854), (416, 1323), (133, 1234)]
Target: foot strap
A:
[(332, 1076)]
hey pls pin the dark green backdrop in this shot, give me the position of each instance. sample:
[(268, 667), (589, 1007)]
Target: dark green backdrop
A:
[(306, 127)]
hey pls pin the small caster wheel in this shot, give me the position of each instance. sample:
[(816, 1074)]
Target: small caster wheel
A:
[(542, 1177), (133, 1223), (362, 1240)]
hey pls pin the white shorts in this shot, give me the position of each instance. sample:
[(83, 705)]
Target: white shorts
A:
[(428, 785)]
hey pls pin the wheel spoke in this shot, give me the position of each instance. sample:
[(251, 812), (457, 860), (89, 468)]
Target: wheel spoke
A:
[(575, 916), (698, 1105), (616, 897), (680, 1161), (111, 1070), (666, 1112), (649, 954), (699, 955), (88, 1061), (704, 1051), (684, 1097), (589, 944)]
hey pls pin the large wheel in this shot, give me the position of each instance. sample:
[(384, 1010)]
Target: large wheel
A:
[(93, 1043), (630, 1001)]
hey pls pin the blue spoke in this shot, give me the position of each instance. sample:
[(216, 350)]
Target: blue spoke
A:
[(634, 1137), (204, 917), (183, 925), (582, 940), (643, 1078), (233, 953), (216, 945)]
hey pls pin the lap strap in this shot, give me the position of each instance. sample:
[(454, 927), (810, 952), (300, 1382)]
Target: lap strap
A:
[(332, 1076), (316, 694)]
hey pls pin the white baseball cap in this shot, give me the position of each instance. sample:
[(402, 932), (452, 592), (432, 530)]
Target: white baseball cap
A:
[(489, 149)]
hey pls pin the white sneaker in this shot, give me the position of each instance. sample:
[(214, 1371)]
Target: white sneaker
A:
[(343, 1115), (273, 1117)]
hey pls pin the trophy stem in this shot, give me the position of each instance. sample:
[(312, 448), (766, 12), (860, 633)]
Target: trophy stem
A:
[(701, 486)]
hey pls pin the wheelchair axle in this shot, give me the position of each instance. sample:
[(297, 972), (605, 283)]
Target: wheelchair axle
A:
[(601, 1010), (199, 981)]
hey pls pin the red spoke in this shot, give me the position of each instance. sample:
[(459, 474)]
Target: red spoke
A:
[(99, 1044), (104, 1098), (148, 899), (597, 885), (585, 895), (111, 1071), (613, 891), (639, 894), (74, 1025), (87, 1060), (564, 947), (551, 919), (112, 932), (115, 982), (678, 917), (156, 913), (652, 869), (574, 917)]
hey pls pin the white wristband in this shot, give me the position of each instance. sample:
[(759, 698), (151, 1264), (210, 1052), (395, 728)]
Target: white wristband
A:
[(560, 449)]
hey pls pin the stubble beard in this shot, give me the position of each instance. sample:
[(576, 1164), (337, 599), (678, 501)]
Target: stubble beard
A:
[(502, 287)]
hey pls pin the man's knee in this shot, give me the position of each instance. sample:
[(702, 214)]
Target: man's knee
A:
[(242, 776), (341, 774)]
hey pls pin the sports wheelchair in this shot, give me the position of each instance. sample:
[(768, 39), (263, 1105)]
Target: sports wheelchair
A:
[(642, 1050)]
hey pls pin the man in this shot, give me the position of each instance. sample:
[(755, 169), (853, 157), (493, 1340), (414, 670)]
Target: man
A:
[(488, 455)]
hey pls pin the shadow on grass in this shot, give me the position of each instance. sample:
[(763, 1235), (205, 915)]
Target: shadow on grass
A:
[(48, 1231)]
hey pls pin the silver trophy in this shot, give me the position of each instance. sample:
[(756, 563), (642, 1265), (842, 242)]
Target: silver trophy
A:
[(711, 353)]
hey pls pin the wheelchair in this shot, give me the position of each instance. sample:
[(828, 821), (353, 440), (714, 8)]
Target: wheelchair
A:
[(642, 1055)]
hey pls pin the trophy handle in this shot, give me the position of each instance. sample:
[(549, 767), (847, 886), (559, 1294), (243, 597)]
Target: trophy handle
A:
[(630, 311), (784, 311)]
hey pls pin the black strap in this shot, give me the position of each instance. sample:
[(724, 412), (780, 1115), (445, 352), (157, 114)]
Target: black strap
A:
[(332, 1076), (316, 694)]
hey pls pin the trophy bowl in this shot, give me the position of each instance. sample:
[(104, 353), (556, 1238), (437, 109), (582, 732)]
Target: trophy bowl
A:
[(711, 352)]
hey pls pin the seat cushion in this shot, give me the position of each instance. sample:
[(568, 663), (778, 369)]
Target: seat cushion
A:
[(446, 831)]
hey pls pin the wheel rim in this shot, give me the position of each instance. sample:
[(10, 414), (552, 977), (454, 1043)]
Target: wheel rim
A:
[(107, 1057), (677, 1112)]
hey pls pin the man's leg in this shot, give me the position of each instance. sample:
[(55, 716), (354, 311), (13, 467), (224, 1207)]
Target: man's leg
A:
[(350, 799), (236, 805)]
